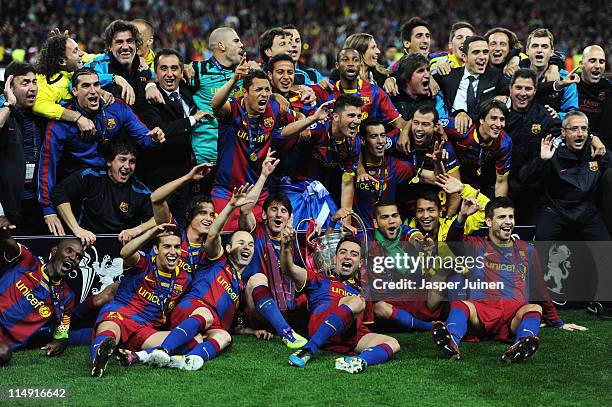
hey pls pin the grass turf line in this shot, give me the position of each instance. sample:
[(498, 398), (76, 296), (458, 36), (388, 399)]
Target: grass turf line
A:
[(571, 368)]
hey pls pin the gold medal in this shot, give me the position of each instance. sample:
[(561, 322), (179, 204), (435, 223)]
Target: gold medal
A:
[(253, 157), (479, 171), (415, 180)]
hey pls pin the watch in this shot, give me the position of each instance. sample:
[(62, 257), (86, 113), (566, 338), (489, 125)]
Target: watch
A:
[(7, 104)]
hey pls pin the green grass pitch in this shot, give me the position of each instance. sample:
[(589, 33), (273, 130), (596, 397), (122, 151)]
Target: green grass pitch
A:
[(571, 368)]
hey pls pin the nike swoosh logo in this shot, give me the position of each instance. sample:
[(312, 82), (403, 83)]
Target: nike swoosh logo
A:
[(148, 279), (333, 327)]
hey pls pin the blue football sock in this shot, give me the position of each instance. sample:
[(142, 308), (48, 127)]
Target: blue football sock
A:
[(98, 340), (183, 333), (206, 350), (267, 307), (376, 354), (457, 320), (80, 336), (408, 321), (336, 322), (530, 325)]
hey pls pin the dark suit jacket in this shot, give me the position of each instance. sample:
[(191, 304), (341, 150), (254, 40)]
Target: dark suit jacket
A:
[(490, 84), (175, 157)]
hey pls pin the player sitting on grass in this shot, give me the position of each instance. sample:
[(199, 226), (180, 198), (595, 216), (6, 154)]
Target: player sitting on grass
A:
[(211, 305), (337, 305), (503, 314), (33, 294), (137, 313)]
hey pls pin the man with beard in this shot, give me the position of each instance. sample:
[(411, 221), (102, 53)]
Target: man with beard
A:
[(122, 40), (527, 122), (337, 306), (112, 199), (595, 93), (33, 294), (62, 139), (135, 317), (503, 314), (304, 75), (386, 173), (210, 307), (268, 294), (413, 81), (20, 138), (376, 103), (485, 149), (466, 88)]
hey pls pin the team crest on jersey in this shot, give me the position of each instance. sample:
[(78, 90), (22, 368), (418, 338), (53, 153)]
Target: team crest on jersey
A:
[(124, 206), (536, 128), (593, 166), (44, 311), (388, 143), (366, 100), (601, 96), (268, 122), (364, 115), (111, 123)]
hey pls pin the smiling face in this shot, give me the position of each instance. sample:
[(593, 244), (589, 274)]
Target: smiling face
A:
[(169, 72), (347, 259), (275, 218), (168, 251), (122, 167), (388, 221), (419, 41), (349, 64), (257, 96), (123, 47), (348, 120), (25, 88), (74, 56), (87, 92), (240, 249), (593, 64), (296, 44), (501, 225), (203, 218), (576, 131), (493, 124), (499, 47), (457, 42), (419, 82), (477, 57), (427, 216), (376, 139), (522, 93), (422, 129), (66, 257), (370, 57), (282, 76), (539, 52)]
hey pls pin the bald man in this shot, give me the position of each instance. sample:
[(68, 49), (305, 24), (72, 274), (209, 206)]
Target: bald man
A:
[(594, 92), (210, 75), (147, 34)]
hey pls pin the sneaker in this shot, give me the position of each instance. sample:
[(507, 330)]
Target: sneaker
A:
[(599, 310), (127, 357), (521, 350), (445, 341), (103, 354), (300, 358), (293, 340), (159, 358), (351, 364), (190, 362)]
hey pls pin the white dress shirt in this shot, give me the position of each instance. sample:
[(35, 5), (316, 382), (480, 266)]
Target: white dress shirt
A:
[(460, 102), (192, 121)]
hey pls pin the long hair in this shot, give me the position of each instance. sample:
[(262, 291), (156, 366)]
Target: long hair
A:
[(360, 42), (53, 50)]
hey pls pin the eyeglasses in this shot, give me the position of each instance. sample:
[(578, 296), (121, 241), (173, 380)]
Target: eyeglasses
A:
[(574, 129)]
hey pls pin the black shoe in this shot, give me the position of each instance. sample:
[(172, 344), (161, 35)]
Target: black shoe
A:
[(522, 350), (599, 310), (445, 341), (103, 354)]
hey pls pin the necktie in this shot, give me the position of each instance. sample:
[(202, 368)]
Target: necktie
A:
[(176, 97), (471, 96)]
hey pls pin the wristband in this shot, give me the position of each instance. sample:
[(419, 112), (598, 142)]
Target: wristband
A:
[(149, 85), (77, 120)]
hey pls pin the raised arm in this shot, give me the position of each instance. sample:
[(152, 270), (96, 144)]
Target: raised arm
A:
[(161, 211), (296, 273), (8, 245), (129, 252), (220, 104), (212, 246), (295, 128), (247, 221)]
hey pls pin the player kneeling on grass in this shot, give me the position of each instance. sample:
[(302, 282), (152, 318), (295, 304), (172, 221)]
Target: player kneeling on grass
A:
[(504, 313), (337, 306), (211, 305), (34, 294), (139, 310)]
